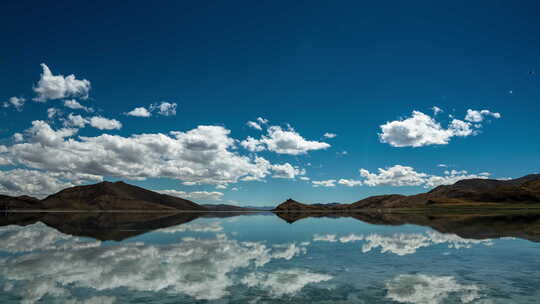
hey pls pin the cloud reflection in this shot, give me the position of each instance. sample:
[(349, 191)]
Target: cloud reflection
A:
[(200, 268)]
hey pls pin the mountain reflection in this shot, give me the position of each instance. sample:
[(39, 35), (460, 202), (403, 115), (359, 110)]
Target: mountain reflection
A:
[(333, 258)]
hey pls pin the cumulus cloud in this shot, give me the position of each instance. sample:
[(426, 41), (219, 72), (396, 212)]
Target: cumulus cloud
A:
[(52, 112), (97, 122), (17, 182), (262, 121), (204, 155), (283, 142), (324, 183), (75, 121), (103, 123), (16, 102), (18, 137), (51, 86), (139, 112), (75, 105), (399, 175), (423, 130), (329, 135), (479, 116), (284, 282), (254, 125), (349, 182), (436, 110), (286, 170), (164, 108), (425, 289), (416, 131), (202, 195)]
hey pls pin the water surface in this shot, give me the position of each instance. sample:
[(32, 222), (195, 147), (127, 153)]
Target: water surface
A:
[(263, 258)]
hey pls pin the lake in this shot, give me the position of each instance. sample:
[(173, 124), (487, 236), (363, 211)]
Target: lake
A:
[(264, 258)]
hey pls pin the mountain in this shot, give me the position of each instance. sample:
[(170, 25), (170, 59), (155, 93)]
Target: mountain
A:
[(468, 192), (292, 205), (115, 196), (19, 202), (524, 190)]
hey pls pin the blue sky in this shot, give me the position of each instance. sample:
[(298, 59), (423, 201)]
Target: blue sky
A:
[(357, 70)]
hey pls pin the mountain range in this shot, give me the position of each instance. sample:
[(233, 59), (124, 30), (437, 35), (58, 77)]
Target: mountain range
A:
[(122, 196), (467, 192)]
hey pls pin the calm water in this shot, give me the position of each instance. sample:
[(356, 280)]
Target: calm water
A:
[(262, 258)]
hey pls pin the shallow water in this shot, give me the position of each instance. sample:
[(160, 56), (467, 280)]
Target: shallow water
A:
[(262, 258)]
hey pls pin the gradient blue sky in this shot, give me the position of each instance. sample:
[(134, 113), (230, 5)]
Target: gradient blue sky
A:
[(344, 67)]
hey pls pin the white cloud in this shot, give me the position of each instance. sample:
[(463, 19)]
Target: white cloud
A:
[(423, 130), (75, 121), (97, 122), (329, 135), (254, 125), (202, 195), (18, 137), (103, 123), (394, 176), (57, 86), (416, 131), (16, 102), (204, 155), (436, 110), (262, 120), (252, 144), (304, 178), (479, 116), (139, 112), (286, 170), (284, 282), (17, 182), (75, 105), (324, 183), (164, 108), (283, 142), (349, 182), (399, 175), (52, 112), (425, 289)]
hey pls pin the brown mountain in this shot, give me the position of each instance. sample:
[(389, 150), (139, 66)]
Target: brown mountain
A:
[(468, 192), (524, 190), (19, 202), (292, 205), (115, 196)]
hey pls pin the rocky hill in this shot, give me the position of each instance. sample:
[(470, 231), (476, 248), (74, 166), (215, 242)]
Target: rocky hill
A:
[(469, 192), (115, 196), (19, 202)]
